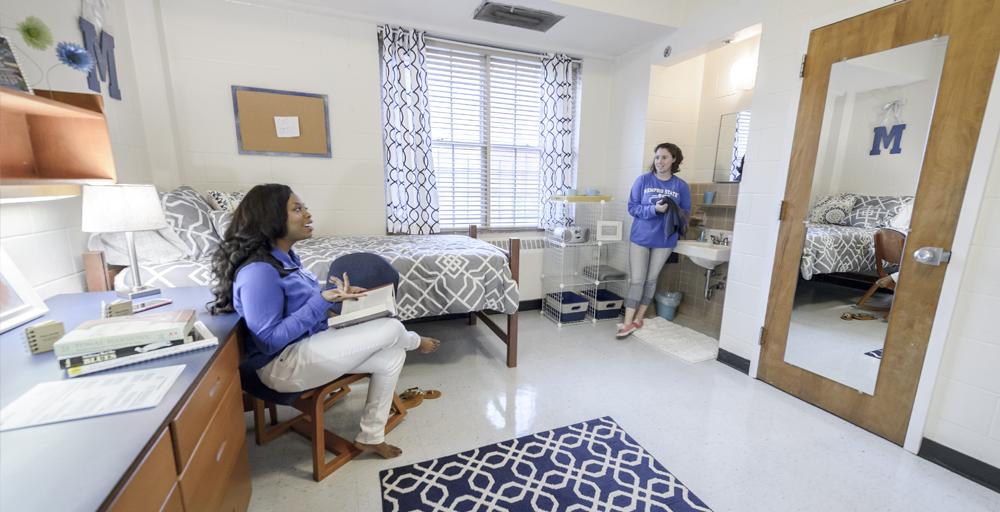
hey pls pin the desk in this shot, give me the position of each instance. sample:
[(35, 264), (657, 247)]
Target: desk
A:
[(90, 464)]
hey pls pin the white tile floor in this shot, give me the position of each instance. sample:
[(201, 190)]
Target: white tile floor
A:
[(739, 444), (819, 341)]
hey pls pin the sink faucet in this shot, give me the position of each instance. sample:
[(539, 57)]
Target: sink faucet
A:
[(716, 240)]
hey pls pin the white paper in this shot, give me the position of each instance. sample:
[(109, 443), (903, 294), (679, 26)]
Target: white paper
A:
[(65, 400), (286, 126)]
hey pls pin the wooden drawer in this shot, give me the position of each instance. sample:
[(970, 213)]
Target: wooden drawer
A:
[(203, 482), (190, 423), (238, 490), (151, 482), (174, 502)]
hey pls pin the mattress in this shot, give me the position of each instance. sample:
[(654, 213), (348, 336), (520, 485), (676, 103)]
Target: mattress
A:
[(439, 274)]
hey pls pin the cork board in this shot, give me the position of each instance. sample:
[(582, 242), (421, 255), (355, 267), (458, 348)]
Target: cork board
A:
[(255, 110)]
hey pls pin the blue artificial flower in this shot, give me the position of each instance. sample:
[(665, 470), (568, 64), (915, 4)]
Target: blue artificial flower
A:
[(75, 56)]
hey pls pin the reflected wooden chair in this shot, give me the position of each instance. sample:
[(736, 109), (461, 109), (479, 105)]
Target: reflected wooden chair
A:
[(888, 250)]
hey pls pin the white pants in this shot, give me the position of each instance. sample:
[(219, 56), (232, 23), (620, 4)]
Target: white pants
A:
[(377, 347)]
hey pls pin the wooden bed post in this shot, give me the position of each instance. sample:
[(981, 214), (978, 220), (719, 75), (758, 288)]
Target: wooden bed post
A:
[(473, 233), (509, 337), (515, 272)]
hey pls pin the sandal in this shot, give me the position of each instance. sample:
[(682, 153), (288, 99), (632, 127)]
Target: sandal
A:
[(626, 330), (857, 316), (411, 401), (429, 394)]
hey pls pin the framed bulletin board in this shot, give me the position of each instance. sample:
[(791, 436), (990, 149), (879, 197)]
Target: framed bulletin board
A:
[(270, 122)]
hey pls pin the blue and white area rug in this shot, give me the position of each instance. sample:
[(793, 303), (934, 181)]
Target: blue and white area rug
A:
[(877, 353), (594, 465)]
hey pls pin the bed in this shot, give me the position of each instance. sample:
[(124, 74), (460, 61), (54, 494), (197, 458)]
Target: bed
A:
[(848, 244), (439, 274), (831, 248)]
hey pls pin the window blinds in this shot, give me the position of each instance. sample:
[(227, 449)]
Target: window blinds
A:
[(485, 111)]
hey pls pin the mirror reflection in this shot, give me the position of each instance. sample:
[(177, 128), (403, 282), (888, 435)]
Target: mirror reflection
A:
[(875, 125), (734, 131)]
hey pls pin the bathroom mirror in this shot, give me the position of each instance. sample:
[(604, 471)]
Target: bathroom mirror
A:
[(734, 129), (876, 121)]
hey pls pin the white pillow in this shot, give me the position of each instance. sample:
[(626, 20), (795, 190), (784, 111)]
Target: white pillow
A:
[(901, 222), (225, 201)]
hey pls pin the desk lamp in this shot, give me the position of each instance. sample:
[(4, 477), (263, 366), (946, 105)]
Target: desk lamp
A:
[(124, 209)]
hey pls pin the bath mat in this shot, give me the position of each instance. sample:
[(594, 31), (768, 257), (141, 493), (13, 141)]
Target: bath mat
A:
[(594, 465), (678, 341)]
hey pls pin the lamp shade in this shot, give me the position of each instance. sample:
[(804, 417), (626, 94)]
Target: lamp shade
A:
[(117, 208)]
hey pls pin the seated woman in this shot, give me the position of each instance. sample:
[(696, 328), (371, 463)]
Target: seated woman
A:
[(260, 277)]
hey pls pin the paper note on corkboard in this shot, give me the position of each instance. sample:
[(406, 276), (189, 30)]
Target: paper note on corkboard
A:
[(256, 109)]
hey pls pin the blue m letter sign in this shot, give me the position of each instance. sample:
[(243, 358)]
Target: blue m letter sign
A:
[(103, 52), (883, 139)]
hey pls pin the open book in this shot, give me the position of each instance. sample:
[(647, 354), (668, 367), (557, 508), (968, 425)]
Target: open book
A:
[(376, 303)]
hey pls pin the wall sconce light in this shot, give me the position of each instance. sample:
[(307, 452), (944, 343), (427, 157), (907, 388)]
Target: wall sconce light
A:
[(743, 73)]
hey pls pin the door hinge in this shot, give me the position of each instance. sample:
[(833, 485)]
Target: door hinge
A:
[(763, 332), (782, 210), (802, 67)]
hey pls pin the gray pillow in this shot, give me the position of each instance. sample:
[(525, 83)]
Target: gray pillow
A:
[(832, 210), (221, 221), (876, 211), (151, 247), (190, 216)]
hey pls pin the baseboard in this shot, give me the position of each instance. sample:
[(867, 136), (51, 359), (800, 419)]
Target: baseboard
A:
[(973, 469), (734, 361), (528, 305)]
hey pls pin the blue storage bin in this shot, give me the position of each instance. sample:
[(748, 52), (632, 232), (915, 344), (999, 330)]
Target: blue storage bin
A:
[(569, 306), (604, 304)]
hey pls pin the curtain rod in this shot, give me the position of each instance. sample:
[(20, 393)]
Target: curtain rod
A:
[(490, 47)]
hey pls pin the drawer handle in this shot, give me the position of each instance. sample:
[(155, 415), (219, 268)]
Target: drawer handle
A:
[(214, 389), (222, 448)]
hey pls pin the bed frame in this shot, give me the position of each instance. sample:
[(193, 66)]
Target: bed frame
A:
[(101, 277)]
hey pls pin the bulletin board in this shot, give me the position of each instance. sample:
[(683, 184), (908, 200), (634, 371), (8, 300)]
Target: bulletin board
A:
[(255, 110)]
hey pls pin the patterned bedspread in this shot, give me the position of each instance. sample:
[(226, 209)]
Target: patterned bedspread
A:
[(439, 274), (832, 248)]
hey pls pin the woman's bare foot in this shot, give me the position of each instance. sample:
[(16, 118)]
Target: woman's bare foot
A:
[(384, 450), (428, 345)]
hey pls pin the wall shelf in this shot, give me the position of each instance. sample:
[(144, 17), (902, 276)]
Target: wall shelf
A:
[(53, 137)]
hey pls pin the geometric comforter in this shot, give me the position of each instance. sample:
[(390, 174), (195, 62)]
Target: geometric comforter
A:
[(439, 274), (833, 248)]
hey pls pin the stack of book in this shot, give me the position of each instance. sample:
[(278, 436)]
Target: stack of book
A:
[(106, 343)]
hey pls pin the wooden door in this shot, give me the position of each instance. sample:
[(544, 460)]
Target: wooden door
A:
[(973, 29)]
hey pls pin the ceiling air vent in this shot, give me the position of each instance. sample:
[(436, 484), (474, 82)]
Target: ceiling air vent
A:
[(520, 17)]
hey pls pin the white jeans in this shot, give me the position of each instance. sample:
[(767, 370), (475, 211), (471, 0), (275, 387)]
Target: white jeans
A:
[(377, 347)]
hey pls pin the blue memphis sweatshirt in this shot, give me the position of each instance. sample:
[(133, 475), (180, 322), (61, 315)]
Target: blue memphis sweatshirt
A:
[(648, 226)]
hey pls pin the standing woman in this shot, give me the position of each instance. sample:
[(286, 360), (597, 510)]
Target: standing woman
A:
[(655, 203), (261, 278)]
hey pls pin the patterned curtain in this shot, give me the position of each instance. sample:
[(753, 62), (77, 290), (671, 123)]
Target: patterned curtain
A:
[(410, 188), (558, 140)]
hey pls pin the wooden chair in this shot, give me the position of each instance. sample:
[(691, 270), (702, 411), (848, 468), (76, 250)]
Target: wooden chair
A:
[(888, 249), (309, 422)]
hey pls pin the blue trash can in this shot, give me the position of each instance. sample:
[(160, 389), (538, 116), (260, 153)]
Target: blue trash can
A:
[(666, 304)]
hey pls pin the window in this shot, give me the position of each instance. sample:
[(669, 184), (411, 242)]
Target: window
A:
[(485, 123)]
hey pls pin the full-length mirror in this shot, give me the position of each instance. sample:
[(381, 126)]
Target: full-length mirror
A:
[(734, 131), (875, 125)]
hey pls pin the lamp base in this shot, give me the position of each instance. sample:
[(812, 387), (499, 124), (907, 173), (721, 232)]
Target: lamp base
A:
[(141, 291)]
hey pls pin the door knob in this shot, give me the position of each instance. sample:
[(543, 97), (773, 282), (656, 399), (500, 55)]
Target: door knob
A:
[(932, 256)]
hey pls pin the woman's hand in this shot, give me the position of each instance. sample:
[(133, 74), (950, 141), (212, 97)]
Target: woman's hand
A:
[(343, 291), (662, 207)]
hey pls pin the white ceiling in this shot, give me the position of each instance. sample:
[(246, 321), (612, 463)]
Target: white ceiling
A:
[(583, 32)]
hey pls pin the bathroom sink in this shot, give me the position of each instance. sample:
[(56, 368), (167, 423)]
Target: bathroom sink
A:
[(704, 254)]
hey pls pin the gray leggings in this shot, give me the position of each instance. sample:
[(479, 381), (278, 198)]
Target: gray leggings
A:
[(645, 264)]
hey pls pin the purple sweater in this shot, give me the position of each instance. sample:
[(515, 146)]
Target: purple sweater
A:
[(278, 310), (648, 228)]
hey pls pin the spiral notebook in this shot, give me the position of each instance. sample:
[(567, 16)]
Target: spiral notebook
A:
[(203, 338)]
